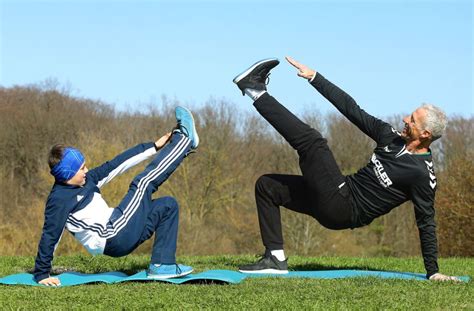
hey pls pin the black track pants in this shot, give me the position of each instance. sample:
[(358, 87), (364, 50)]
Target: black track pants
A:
[(320, 192)]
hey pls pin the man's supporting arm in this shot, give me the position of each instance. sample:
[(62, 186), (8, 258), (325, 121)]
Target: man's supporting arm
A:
[(422, 196)]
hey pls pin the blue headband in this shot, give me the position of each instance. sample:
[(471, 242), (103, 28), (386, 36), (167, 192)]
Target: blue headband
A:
[(69, 165)]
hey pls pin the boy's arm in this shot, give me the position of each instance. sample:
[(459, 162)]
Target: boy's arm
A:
[(55, 219), (104, 173)]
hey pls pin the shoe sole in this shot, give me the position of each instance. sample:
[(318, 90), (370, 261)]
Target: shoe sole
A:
[(171, 276), (246, 72), (265, 271), (196, 136)]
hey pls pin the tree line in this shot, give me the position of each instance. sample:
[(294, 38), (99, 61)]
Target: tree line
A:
[(215, 185)]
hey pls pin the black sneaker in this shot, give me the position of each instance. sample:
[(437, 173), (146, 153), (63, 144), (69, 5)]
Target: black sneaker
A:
[(256, 76), (266, 264)]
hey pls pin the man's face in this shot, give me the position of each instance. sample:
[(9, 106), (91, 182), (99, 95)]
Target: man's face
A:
[(80, 178), (413, 125)]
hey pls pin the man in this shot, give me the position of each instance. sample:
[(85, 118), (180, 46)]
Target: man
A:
[(400, 169)]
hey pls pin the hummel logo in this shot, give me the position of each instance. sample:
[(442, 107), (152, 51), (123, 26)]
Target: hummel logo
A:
[(80, 197), (386, 149), (396, 132), (429, 166)]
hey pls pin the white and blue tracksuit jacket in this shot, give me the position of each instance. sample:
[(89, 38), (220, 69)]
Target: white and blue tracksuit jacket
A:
[(82, 210)]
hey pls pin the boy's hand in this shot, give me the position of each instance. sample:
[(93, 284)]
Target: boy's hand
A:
[(442, 277), (162, 140), (303, 70), (50, 282)]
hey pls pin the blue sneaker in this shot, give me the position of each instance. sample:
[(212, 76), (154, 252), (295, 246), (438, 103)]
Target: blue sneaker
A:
[(186, 125), (157, 271)]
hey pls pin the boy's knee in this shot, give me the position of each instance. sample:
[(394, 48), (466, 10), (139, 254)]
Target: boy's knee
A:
[(171, 203)]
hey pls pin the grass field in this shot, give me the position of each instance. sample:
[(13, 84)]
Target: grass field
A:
[(260, 293)]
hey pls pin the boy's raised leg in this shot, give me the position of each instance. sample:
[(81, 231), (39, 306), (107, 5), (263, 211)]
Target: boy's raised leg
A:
[(137, 215)]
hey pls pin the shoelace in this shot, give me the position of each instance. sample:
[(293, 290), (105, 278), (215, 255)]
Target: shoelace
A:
[(178, 269), (263, 256), (260, 256), (182, 128), (267, 79)]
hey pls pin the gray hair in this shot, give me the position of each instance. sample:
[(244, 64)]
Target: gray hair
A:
[(435, 120)]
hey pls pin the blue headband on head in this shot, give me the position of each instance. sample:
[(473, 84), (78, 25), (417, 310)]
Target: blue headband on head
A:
[(69, 165)]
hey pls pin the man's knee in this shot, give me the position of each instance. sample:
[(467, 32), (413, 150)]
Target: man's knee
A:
[(265, 184), (315, 139)]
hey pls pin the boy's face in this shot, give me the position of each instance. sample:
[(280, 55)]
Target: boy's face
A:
[(80, 178)]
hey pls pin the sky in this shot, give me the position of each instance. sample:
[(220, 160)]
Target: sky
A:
[(390, 56)]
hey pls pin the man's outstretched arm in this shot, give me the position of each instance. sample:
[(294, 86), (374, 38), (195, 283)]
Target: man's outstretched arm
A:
[(371, 126)]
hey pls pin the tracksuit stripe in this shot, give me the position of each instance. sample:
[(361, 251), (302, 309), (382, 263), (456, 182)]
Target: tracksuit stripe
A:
[(123, 167), (143, 184)]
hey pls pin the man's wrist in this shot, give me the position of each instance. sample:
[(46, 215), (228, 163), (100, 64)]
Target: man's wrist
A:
[(430, 274)]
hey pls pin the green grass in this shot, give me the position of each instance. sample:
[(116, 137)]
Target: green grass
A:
[(259, 293)]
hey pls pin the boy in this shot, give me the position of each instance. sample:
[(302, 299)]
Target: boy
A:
[(75, 203)]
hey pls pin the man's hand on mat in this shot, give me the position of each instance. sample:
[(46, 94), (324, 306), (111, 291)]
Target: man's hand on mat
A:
[(162, 140), (442, 277), (50, 281), (303, 70)]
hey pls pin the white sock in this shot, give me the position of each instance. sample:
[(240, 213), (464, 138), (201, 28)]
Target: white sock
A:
[(254, 94), (279, 254)]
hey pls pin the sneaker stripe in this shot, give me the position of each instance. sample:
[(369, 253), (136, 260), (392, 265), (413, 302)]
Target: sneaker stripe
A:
[(168, 276), (263, 271), (194, 132)]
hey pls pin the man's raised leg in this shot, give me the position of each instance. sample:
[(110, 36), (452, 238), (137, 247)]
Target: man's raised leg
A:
[(322, 180), (320, 171)]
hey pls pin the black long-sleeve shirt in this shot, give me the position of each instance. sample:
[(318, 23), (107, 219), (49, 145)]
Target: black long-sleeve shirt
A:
[(392, 176)]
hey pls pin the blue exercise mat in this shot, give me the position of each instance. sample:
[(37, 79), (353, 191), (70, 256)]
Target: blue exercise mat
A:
[(341, 274), (221, 276), (77, 278)]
